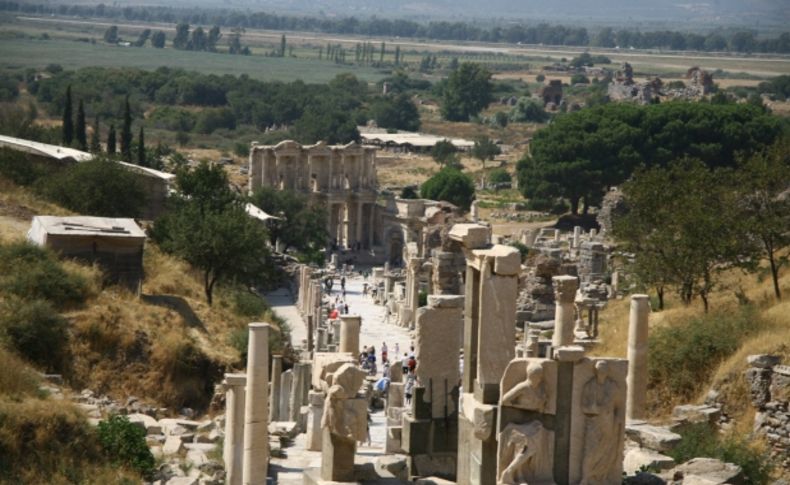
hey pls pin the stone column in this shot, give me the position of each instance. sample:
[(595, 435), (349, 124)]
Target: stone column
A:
[(577, 234), (349, 334), (372, 228), (310, 326), (347, 224), (564, 294), (358, 220), (637, 357), (276, 388), (256, 414), (295, 399), (234, 427)]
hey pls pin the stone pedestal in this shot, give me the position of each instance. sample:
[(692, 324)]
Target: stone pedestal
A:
[(314, 415), (349, 334), (233, 450), (637, 357), (256, 407), (337, 457), (564, 293)]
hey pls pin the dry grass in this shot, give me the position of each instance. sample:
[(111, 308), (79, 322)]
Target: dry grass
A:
[(773, 337)]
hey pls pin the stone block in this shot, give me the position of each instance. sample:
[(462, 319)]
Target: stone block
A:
[(325, 363), (173, 445), (691, 413), (392, 465), (652, 437), (337, 457), (444, 435), (637, 459), (148, 423), (441, 465), (708, 471), (763, 361), (415, 435), (446, 301), (471, 236), (569, 353)]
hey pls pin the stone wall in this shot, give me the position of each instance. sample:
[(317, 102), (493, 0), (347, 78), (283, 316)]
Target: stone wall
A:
[(769, 385)]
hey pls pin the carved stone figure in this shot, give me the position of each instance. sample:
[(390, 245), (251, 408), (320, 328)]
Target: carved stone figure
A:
[(531, 393), (525, 454), (603, 409)]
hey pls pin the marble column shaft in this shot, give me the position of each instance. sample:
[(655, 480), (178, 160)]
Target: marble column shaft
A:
[(233, 451), (637, 357), (256, 413)]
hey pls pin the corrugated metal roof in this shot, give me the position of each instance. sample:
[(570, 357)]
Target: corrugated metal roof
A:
[(64, 153), (88, 226)]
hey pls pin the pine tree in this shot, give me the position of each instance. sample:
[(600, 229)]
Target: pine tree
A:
[(68, 123), (282, 46), (397, 55), (111, 140), (95, 144), (141, 149), (126, 133), (81, 135), (381, 55)]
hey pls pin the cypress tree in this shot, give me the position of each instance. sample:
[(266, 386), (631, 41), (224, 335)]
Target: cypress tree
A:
[(397, 55), (141, 149), (68, 123), (81, 135), (111, 140), (126, 133), (95, 144), (282, 46), (381, 55)]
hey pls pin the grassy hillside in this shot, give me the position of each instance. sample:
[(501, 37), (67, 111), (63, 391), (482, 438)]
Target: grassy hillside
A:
[(692, 352), (167, 347)]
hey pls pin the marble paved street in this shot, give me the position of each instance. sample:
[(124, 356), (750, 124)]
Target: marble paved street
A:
[(374, 331)]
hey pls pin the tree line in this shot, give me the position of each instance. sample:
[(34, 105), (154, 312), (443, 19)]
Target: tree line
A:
[(543, 33), (306, 112)]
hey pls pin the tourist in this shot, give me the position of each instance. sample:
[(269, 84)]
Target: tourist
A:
[(412, 363), (333, 314), (343, 283), (384, 353), (364, 289), (409, 387), (346, 308), (397, 350), (405, 363)]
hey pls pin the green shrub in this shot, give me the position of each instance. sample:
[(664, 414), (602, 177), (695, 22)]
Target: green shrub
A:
[(247, 304), (682, 357), (499, 176), (422, 299), (522, 249), (31, 272), (701, 440), (124, 444), (36, 331), (451, 185), (97, 188)]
